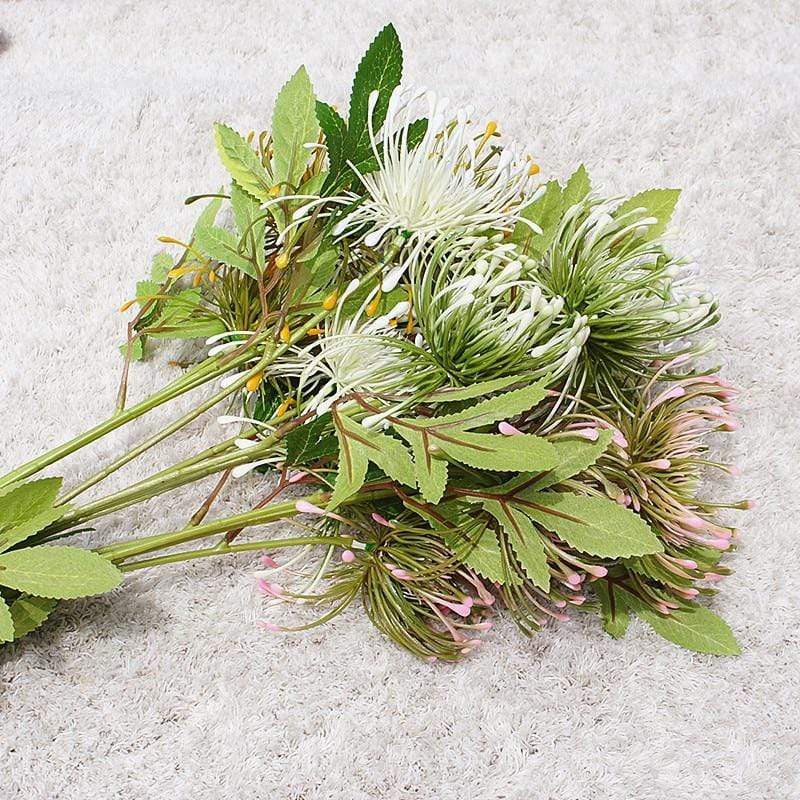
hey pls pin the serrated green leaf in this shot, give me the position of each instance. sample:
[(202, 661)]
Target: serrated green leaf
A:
[(335, 130), (430, 471), (381, 70), (250, 222), (29, 612), (208, 216), (26, 509), (495, 451), (223, 246), (192, 329), (242, 162), (458, 394), (573, 455), (352, 464), (502, 406), (613, 608), (6, 623), (695, 629), (525, 541), (388, 453), (59, 572), (546, 212), (658, 203), (481, 552), (314, 440), (294, 124), (161, 264), (578, 186), (594, 525)]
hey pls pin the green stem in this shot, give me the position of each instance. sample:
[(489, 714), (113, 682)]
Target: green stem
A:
[(242, 547)]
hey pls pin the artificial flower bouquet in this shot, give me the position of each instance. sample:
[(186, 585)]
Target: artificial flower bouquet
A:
[(478, 393)]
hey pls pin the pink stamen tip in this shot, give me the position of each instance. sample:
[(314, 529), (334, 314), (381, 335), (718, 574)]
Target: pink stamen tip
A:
[(574, 579), (462, 609), (661, 463), (731, 425), (598, 572), (400, 574), (662, 608), (691, 592), (487, 599), (381, 520), (693, 521), (348, 556), (270, 626), (748, 504), (688, 563), (676, 391), (483, 626), (507, 429), (713, 577), (719, 544), (295, 477), (269, 562), (734, 470), (561, 617), (592, 434), (578, 600), (304, 507), (619, 439), (468, 601), (560, 603)]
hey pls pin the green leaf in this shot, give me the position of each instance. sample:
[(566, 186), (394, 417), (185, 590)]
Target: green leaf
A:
[(613, 608), (430, 471), (26, 509), (658, 203), (352, 464), (457, 394), (308, 443), (294, 124), (695, 629), (497, 452), (251, 222), (388, 453), (594, 525), (208, 216), (381, 70), (223, 246), (335, 130), (191, 329), (161, 264), (573, 456), (525, 541), (137, 349), (60, 572), (503, 406), (481, 551), (29, 612), (6, 623), (546, 212), (578, 186), (242, 162)]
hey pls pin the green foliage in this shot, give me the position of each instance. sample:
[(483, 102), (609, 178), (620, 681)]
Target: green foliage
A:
[(573, 456), (251, 223), (594, 525), (57, 572), (223, 246), (335, 130), (658, 203), (613, 608), (27, 508), (294, 124), (578, 186), (309, 443), (29, 612), (242, 162), (6, 622), (546, 212), (695, 628)]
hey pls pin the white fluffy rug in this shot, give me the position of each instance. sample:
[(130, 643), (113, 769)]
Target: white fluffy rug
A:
[(166, 688)]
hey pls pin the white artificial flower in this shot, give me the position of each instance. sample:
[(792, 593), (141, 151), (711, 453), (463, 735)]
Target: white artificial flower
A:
[(452, 181)]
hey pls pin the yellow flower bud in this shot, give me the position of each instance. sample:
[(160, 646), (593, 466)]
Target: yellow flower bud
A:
[(282, 260), (275, 190), (372, 308), (212, 276), (491, 129), (254, 382), (126, 306), (533, 169), (286, 334), (330, 301)]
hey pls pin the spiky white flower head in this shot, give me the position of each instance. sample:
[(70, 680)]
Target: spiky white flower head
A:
[(358, 354), (482, 314), (453, 180)]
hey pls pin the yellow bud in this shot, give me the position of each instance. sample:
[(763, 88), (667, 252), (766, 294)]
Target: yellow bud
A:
[(282, 261), (212, 276), (372, 308), (126, 306), (254, 382), (284, 406), (250, 137), (533, 169), (315, 331), (330, 301), (275, 190), (286, 334), (198, 279), (491, 129)]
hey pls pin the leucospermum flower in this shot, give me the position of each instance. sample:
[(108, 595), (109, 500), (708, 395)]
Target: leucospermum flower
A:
[(455, 180), (640, 301), (482, 314)]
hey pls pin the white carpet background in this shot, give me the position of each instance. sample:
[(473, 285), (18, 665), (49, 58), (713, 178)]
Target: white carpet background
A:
[(166, 688)]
